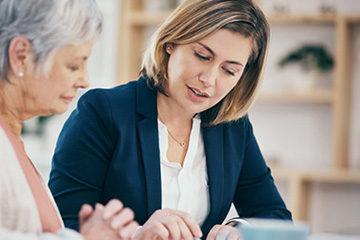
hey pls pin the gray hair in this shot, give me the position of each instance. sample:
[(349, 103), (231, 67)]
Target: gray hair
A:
[(48, 25)]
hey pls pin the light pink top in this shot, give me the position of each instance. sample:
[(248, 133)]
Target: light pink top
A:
[(48, 215)]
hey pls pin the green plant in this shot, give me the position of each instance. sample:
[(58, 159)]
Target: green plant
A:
[(309, 57)]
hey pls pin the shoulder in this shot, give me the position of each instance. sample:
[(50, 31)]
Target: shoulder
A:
[(115, 107), (240, 126), (122, 96), (106, 102), (239, 131), (117, 94)]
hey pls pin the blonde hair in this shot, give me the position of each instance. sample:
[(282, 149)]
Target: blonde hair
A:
[(196, 19)]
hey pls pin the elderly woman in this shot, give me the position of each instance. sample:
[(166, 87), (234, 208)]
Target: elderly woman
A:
[(177, 145), (44, 47)]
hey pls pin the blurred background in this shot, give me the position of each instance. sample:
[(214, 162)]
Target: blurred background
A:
[(307, 114)]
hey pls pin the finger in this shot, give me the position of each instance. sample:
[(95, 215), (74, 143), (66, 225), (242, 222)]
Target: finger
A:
[(185, 231), (113, 207), (98, 210), (222, 234), (234, 235), (212, 234), (172, 225), (153, 231), (99, 207), (160, 231), (128, 230), (125, 216), (191, 223), (85, 211)]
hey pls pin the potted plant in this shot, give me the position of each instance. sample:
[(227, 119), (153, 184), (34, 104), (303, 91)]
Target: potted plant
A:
[(313, 60)]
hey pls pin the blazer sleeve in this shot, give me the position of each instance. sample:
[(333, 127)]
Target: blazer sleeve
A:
[(82, 156), (256, 195)]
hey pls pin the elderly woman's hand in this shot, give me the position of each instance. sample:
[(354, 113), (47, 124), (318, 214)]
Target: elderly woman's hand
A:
[(107, 222), (222, 232), (169, 224)]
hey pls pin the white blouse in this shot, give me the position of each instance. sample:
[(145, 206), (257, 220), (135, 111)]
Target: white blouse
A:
[(185, 187)]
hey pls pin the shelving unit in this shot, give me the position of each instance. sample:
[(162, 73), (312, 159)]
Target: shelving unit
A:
[(318, 96), (135, 20), (339, 98), (300, 181)]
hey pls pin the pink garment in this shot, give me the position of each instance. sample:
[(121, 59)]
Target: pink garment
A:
[(48, 215)]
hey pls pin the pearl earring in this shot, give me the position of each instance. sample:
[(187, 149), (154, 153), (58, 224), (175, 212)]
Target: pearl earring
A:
[(21, 74), (168, 48)]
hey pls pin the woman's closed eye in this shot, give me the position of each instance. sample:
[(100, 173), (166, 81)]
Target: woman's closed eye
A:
[(201, 56), (74, 68), (229, 72)]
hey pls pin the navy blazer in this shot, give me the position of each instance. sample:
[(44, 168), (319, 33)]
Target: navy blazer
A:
[(109, 148)]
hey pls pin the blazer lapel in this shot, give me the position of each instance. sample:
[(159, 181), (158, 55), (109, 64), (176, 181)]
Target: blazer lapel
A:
[(149, 144), (214, 151)]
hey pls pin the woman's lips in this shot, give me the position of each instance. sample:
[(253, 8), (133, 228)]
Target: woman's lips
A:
[(196, 95), (68, 99)]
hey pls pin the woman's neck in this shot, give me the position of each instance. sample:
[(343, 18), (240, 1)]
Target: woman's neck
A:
[(9, 109), (172, 114), (178, 124)]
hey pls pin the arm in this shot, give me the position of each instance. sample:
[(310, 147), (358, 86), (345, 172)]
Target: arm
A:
[(81, 158), (256, 195), (111, 222)]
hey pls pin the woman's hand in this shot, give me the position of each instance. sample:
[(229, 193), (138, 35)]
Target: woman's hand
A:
[(109, 222), (222, 232), (169, 224)]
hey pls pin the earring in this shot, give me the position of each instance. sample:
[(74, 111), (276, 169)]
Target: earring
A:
[(21, 74), (168, 48)]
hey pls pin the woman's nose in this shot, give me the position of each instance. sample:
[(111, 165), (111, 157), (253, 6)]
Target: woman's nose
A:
[(208, 76), (83, 81)]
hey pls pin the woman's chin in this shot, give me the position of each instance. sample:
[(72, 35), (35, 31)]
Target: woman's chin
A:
[(57, 110)]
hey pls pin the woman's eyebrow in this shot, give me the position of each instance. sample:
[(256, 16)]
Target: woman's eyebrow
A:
[(234, 62), (207, 48), (212, 53)]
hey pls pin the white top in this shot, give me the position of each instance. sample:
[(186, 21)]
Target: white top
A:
[(185, 187), (19, 216)]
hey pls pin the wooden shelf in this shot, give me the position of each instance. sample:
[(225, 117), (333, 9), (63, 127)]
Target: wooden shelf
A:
[(299, 184), (324, 176), (145, 18), (352, 19), (302, 19), (313, 96)]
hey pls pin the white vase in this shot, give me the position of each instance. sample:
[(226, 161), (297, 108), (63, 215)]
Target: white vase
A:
[(304, 80)]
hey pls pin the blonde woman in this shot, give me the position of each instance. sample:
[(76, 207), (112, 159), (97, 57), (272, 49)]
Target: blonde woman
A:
[(177, 145), (44, 47)]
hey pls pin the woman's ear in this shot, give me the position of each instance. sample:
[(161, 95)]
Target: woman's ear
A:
[(20, 53), (169, 48)]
